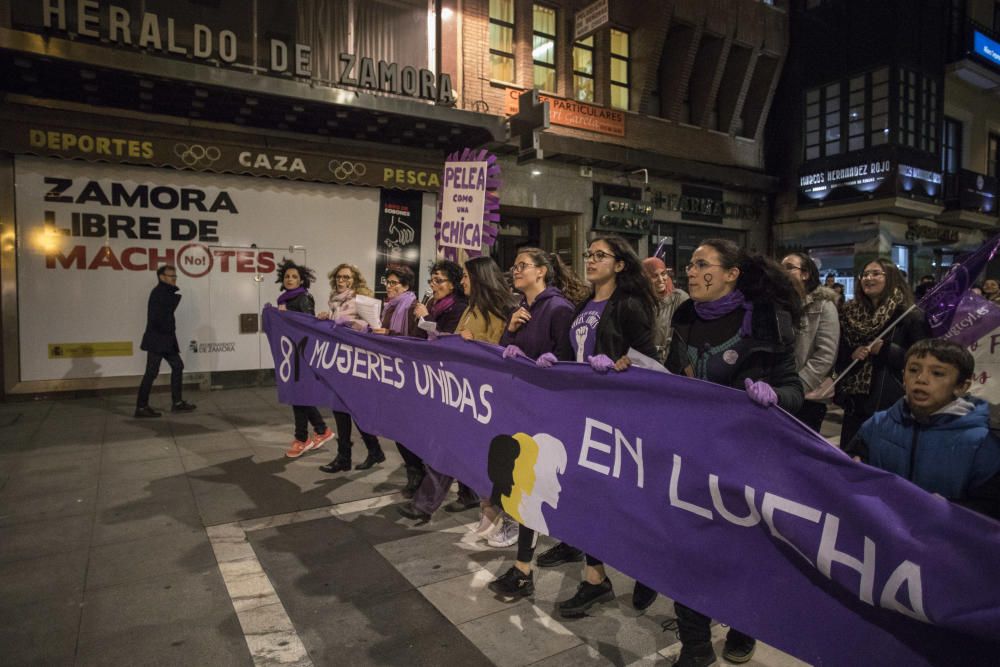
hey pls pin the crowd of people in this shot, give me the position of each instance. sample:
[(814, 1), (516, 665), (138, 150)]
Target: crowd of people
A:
[(749, 322)]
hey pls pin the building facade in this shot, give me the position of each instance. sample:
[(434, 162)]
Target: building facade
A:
[(222, 137), (881, 135)]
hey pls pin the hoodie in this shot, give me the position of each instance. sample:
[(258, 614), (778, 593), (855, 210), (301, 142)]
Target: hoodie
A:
[(548, 330)]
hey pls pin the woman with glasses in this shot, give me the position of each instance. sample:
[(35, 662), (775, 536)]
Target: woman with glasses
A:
[(347, 283), (818, 333), (617, 317), (398, 319), (538, 329), (490, 303), (736, 330), (876, 380)]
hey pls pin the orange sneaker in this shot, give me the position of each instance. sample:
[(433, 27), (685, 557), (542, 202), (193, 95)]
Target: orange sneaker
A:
[(298, 448), (317, 440)]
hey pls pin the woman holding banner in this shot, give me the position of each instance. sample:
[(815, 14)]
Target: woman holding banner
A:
[(872, 336), (347, 283), (398, 319), (490, 303), (538, 329), (737, 330), (617, 317)]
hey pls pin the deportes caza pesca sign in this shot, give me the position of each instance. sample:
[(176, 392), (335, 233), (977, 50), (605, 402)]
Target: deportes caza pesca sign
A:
[(736, 510)]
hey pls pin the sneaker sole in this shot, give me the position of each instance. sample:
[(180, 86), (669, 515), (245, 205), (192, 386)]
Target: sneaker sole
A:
[(738, 660), (510, 597), (316, 444), (501, 545), (577, 612)]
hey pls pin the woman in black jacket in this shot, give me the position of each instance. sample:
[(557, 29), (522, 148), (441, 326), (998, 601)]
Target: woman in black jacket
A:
[(295, 296), (448, 299), (736, 330), (876, 380)]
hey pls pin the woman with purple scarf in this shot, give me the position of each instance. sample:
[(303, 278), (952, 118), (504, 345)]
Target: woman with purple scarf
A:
[(295, 281), (736, 330)]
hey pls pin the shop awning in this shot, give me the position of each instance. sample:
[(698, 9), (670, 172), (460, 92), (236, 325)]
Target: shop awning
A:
[(60, 69)]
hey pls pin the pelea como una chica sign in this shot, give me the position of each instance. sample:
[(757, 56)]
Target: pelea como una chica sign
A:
[(198, 32), (469, 207)]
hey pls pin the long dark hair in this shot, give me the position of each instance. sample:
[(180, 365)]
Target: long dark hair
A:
[(307, 275), (453, 271), (761, 280), (631, 281), (558, 274), (488, 291), (809, 270), (894, 280)]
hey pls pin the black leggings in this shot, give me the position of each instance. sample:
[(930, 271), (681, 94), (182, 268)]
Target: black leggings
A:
[(305, 415), (527, 540), (343, 421), (410, 459)]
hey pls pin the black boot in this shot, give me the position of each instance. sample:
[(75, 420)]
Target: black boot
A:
[(414, 477), (375, 456), (339, 464)]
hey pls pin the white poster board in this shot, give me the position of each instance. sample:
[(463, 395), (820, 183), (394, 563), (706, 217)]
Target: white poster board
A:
[(90, 236), (463, 201), (590, 19), (986, 379)]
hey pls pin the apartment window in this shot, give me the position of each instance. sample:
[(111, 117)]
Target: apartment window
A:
[(992, 166), (543, 47), (823, 121), (880, 107), (619, 69), (918, 114), (856, 103), (583, 69), (502, 40), (951, 146)]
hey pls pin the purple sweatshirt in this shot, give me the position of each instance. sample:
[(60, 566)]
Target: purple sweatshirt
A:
[(548, 330)]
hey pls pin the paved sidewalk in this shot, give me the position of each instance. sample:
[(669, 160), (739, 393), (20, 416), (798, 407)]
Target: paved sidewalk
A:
[(192, 540)]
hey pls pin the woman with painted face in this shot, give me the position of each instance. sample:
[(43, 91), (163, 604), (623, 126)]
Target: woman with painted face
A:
[(347, 283), (876, 381), (991, 289), (295, 281), (539, 330), (490, 303), (737, 330), (818, 333)]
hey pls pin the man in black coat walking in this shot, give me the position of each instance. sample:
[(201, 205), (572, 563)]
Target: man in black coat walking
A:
[(160, 342)]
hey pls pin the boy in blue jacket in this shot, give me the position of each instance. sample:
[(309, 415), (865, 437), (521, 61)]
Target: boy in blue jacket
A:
[(937, 436)]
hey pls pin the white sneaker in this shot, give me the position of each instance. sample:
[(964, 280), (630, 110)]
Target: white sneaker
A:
[(488, 527), (506, 536)]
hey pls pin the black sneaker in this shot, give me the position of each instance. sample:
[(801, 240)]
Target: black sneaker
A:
[(559, 554), (587, 595), (513, 584), (738, 649), (147, 411), (182, 406), (696, 655), (642, 596)]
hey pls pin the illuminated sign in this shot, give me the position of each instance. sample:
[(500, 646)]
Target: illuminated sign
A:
[(986, 47), (621, 209)]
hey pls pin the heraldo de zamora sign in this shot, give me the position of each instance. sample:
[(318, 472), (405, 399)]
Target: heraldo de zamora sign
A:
[(213, 33)]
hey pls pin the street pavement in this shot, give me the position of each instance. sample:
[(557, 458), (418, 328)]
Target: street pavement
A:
[(192, 540)]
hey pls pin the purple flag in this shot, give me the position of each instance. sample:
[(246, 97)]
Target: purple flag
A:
[(974, 318), (736, 510), (942, 301)]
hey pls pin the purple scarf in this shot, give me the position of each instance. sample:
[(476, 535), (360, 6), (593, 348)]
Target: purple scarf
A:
[(400, 306), (291, 294), (713, 310), (441, 306)]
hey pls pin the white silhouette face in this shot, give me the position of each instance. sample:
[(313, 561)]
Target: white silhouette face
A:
[(550, 464)]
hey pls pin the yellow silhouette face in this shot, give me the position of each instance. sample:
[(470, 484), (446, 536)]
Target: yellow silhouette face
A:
[(524, 475)]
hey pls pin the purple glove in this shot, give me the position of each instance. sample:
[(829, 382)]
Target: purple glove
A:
[(513, 351), (343, 320), (760, 392), (547, 360), (601, 363)]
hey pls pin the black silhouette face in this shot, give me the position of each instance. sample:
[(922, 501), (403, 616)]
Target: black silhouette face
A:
[(504, 451)]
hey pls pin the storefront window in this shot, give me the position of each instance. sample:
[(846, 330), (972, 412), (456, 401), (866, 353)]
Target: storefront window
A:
[(619, 69), (502, 40), (543, 47), (583, 70), (901, 258), (992, 166)]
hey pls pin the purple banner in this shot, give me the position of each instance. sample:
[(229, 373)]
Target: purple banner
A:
[(942, 301), (739, 511), (974, 318)]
